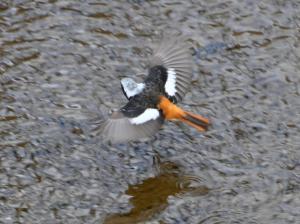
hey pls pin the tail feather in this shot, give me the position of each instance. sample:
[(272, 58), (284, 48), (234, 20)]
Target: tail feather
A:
[(196, 121), (171, 112)]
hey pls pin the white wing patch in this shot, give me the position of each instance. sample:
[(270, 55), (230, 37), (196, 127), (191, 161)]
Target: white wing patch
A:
[(147, 115), (131, 88), (171, 82)]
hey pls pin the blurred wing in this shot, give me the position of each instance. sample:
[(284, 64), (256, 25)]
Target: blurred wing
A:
[(175, 56), (121, 128)]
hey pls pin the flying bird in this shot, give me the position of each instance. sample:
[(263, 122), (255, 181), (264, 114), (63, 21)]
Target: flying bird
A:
[(152, 102)]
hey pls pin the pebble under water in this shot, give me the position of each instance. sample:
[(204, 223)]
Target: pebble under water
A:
[(60, 67)]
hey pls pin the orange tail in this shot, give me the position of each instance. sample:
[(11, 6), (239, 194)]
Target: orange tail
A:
[(196, 121), (171, 112)]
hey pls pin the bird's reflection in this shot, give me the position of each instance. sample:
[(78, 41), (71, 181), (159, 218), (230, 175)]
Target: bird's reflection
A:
[(151, 196)]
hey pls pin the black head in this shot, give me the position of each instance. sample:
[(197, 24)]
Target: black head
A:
[(158, 73)]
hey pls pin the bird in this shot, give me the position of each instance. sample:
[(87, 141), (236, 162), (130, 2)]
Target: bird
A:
[(154, 100)]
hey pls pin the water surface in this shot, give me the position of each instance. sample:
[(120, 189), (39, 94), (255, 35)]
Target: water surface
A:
[(60, 66)]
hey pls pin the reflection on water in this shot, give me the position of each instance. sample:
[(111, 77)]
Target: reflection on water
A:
[(151, 196)]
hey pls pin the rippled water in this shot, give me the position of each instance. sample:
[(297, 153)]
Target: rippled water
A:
[(151, 196), (60, 66)]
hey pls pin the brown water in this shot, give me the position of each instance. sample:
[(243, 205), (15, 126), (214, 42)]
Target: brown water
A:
[(151, 196), (60, 66)]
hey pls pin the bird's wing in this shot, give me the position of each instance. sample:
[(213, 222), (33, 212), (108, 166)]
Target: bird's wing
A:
[(130, 123), (130, 88), (175, 56)]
